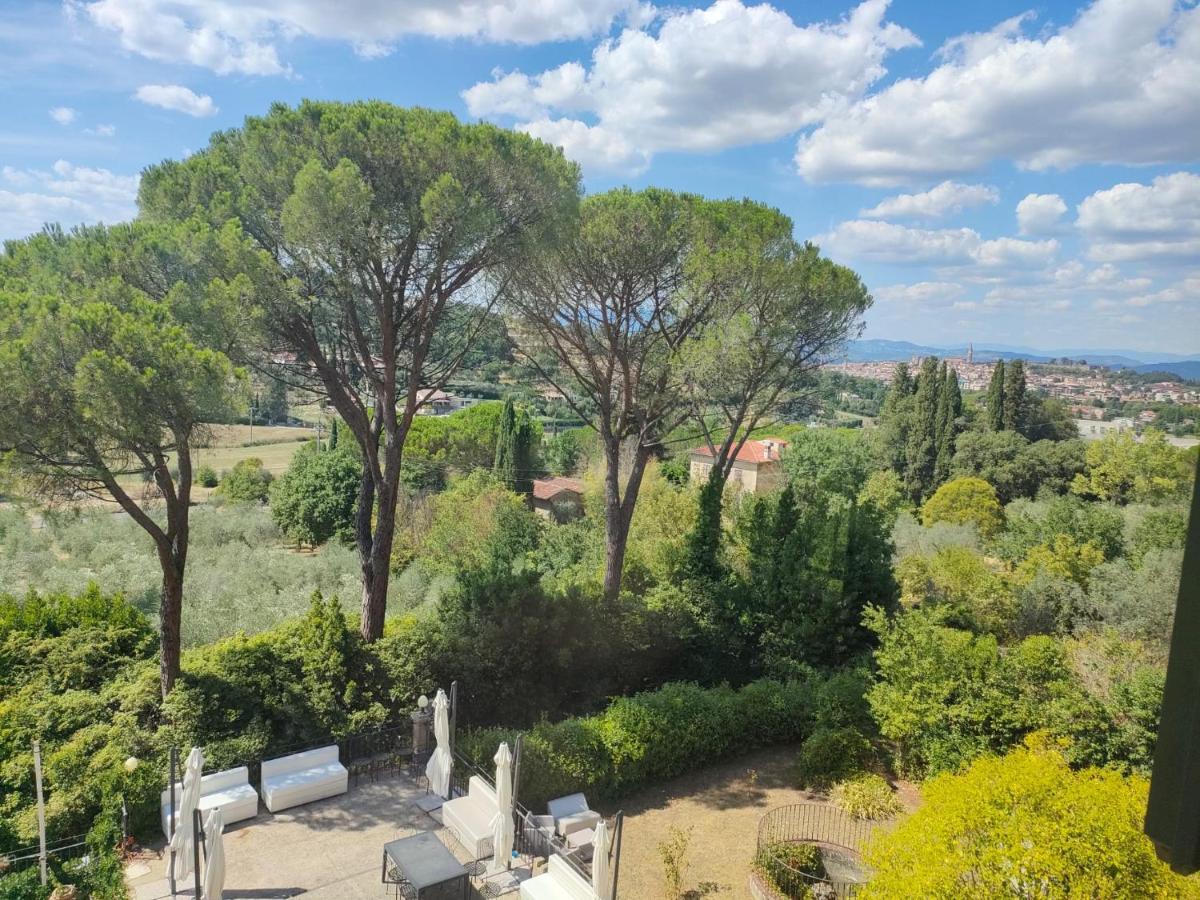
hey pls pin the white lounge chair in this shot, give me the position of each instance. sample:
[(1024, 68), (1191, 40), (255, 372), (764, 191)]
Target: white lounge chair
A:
[(571, 814), (229, 791), (560, 881), (469, 818), (302, 778)]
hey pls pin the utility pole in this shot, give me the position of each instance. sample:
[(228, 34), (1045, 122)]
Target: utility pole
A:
[(41, 808), (252, 411)]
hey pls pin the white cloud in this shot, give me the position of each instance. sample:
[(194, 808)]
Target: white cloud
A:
[(1040, 213), (65, 193), (885, 242), (921, 292), (63, 115), (102, 130), (1120, 84), (233, 36), (703, 80), (178, 98), (943, 199), (1139, 221)]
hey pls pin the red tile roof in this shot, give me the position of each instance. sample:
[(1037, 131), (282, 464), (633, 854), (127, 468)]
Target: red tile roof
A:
[(760, 451), (549, 488)]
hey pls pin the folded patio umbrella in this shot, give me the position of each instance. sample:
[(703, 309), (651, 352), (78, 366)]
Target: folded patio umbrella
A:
[(438, 769), (184, 840), (600, 861), (502, 825), (214, 856)]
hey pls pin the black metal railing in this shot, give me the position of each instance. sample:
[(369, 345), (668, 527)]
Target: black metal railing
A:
[(62, 849), (534, 835), (833, 868)]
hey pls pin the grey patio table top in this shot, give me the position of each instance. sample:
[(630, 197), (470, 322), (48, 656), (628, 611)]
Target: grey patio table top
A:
[(424, 862)]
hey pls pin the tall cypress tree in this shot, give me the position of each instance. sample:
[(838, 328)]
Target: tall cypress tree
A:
[(995, 398), (921, 450), (506, 436), (333, 435), (523, 452), (949, 409), (895, 417), (1014, 396)]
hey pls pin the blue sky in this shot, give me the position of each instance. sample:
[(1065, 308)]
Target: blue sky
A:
[(998, 172)]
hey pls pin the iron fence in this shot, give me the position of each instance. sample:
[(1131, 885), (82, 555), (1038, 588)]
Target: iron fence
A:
[(63, 849), (783, 833)]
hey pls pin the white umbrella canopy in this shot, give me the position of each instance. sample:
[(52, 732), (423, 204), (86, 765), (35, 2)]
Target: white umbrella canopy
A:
[(437, 770), (502, 825), (183, 843), (600, 861), (214, 856)]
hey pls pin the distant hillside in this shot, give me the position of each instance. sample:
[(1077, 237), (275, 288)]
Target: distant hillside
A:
[(1189, 369), (900, 351)]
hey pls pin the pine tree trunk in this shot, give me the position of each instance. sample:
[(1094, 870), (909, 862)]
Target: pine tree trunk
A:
[(170, 618)]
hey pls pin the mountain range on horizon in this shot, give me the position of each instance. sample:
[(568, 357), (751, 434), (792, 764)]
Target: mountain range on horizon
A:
[(880, 350)]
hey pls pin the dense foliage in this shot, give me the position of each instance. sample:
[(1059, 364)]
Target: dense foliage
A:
[(1025, 817)]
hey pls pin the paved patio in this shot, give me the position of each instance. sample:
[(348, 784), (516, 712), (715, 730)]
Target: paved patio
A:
[(328, 850)]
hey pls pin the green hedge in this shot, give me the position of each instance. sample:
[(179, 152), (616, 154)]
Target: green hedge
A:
[(653, 736)]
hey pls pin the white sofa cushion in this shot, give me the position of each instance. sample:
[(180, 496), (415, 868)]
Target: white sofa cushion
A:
[(571, 814), (229, 791), (559, 882), (470, 817), (302, 778)]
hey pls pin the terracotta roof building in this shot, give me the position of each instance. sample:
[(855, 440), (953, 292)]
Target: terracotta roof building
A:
[(756, 467)]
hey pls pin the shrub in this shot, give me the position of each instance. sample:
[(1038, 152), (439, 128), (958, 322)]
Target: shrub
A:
[(653, 735), (1067, 834), (832, 754), (247, 482), (316, 497), (965, 501), (784, 866), (866, 797), (673, 852), (206, 476)]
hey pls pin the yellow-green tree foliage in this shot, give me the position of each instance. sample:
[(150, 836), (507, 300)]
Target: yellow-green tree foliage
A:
[(1024, 825), (1065, 557), (1124, 470), (965, 501)]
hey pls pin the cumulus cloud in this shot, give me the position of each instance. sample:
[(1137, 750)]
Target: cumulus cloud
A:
[(178, 98), (921, 292), (1120, 84), (865, 240), (699, 80), (1144, 221), (63, 115), (65, 193), (232, 36), (944, 199), (1040, 213)]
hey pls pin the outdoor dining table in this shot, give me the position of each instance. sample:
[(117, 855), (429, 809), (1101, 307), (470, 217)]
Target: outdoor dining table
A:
[(424, 862)]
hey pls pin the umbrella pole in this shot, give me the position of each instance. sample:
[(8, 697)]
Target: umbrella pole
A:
[(171, 821), (616, 856), (198, 832)]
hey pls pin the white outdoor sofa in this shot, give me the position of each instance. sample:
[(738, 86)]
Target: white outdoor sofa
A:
[(571, 814), (229, 791), (560, 881), (302, 778), (470, 817)]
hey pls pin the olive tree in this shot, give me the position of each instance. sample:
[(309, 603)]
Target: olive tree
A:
[(393, 230), (110, 374)]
